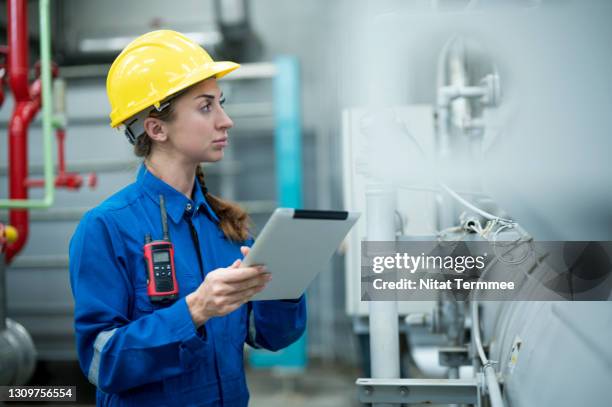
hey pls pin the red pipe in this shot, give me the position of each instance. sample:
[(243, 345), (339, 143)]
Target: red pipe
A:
[(27, 104), (63, 179), (18, 49)]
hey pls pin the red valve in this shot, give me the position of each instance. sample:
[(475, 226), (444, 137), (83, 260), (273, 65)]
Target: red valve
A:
[(92, 180), (54, 69), (68, 180), (8, 235)]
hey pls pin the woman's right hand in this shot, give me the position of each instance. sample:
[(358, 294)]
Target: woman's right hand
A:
[(224, 290)]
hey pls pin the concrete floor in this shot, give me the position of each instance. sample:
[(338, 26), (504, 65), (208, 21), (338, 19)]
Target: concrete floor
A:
[(318, 386)]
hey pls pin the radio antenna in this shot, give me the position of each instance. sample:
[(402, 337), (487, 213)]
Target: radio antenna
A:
[(164, 217)]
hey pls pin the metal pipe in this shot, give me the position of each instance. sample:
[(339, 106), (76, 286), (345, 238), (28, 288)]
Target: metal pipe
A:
[(25, 109), (288, 135), (18, 49), (490, 376), (27, 104), (17, 11), (443, 207), (288, 151), (384, 331)]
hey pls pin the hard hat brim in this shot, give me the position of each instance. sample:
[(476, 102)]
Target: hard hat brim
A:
[(214, 69)]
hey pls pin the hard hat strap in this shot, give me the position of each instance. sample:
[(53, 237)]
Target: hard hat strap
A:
[(134, 126), (130, 135)]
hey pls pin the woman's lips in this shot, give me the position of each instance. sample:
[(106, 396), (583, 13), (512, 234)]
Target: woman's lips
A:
[(220, 142)]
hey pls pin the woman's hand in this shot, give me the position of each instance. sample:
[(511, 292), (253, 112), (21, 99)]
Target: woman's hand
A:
[(225, 289)]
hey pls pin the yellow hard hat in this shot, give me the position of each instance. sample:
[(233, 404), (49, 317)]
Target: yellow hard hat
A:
[(155, 66)]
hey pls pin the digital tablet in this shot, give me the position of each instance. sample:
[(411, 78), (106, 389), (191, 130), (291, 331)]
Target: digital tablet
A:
[(295, 245)]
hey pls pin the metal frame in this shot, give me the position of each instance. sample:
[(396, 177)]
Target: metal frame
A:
[(434, 391)]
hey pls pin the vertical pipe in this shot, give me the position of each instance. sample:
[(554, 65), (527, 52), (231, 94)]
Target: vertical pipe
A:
[(18, 125), (61, 159), (17, 11), (288, 154), (491, 379), (47, 100), (25, 112), (288, 137), (288, 151), (384, 330), (444, 206), (26, 107)]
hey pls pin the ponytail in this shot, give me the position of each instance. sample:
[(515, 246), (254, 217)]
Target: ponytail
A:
[(233, 220)]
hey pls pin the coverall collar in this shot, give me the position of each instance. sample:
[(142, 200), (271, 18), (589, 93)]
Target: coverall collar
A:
[(176, 203)]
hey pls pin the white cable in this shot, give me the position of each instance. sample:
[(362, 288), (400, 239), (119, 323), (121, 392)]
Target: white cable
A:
[(479, 211), (453, 229)]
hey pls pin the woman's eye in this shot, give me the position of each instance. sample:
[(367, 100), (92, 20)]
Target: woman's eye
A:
[(206, 108), (222, 102)]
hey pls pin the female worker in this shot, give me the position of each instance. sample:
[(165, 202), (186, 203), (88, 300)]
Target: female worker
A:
[(138, 347)]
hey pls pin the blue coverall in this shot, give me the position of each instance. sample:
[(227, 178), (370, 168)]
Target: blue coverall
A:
[(142, 354)]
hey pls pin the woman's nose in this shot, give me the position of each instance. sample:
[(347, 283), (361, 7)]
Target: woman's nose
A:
[(224, 121)]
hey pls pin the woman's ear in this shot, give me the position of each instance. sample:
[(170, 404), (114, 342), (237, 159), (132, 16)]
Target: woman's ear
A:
[(156, 129)]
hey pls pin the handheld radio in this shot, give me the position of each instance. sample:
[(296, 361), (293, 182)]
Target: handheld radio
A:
[(159, 257)]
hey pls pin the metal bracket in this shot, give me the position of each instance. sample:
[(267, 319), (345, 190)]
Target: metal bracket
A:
[(454, 356), (435, 391)]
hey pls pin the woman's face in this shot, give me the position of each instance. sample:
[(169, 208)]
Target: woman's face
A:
[(198, 131)]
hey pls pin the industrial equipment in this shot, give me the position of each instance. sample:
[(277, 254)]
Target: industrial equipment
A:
[(471, 180)]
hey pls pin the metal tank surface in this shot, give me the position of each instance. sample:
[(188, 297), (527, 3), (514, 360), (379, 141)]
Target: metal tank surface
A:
[(552, 353), (17, 354), (17, 350), (555, 353)]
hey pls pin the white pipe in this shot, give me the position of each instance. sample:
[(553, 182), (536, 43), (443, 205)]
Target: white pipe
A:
[(447, 94), (384, 331), (441, 101), (443, 208), (489, 372)]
